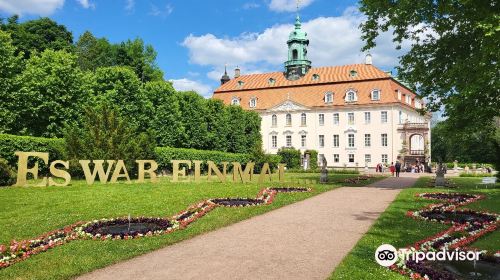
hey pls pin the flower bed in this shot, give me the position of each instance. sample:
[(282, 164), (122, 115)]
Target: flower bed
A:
[(128, 228), (467, 226)]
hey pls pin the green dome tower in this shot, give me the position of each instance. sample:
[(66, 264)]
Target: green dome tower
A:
[(298, 64)]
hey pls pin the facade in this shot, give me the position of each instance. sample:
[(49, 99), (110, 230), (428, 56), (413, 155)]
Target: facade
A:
[(353, 115)]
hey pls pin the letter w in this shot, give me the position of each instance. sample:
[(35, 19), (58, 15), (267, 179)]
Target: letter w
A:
[(98, 169)]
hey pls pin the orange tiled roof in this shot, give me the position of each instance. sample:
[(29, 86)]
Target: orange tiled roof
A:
[(311, 93)]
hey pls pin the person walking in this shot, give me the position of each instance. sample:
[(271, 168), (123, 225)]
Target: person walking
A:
[(392, 168), (397, 167)]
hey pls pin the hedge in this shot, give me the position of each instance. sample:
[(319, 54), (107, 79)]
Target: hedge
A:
[(290, 156), (450, 165), (9, 144), (165, 154), (313, 159)]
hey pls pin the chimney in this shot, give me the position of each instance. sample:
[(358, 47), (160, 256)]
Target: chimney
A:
[(368, 59), (237, 72)]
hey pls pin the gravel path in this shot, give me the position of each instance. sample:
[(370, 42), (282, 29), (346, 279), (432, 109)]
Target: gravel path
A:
[(304, 240)]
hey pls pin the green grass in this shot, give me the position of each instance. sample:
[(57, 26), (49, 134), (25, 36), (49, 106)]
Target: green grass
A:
[(26, 212), (393, 227)]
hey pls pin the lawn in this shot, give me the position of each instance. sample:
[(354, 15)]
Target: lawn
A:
[(27, 212), (394, 228)]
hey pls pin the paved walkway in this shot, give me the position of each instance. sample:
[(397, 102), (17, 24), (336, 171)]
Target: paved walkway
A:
[(304, 240)]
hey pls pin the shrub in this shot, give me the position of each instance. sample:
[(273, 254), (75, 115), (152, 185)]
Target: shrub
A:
[(476, 175), (290, 156), (344, 171), (9, 144), (106, 135), (163, 156), (259, 157), (7, 174), (313, 159)]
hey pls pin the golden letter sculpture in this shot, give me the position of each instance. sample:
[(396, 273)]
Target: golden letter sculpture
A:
[(176, 172), (23, 169), (120, 166), (151, 171), (197, 171), (239, 174), (213, 167), (98, 169), (265, 172), (59, 173), (281, 172)]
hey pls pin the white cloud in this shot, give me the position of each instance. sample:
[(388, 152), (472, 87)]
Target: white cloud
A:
[(167, 10), (130, 5), (333, 41), (288, 5), (86, 4), (187, 85), (34, 7)]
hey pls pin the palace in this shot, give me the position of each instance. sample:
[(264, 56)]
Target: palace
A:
[(353, 115)]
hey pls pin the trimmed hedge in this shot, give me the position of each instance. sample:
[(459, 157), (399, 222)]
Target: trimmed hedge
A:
[(313, 159), (290, 156), (7, 174), (165, 154), (9, 144)]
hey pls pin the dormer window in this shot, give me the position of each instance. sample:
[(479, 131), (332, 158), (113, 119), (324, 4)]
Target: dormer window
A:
[(375, 94), (241, 83), (329, 97), (353, 73), (408, 99), (315, 77), (399, 94), (235, 101), (351, 96), (271, 81), (253, 102)]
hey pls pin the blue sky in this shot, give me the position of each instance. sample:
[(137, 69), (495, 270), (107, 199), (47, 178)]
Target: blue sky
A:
[(195, 38)]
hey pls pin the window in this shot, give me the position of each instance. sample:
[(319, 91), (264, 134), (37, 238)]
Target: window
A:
[(274, 141), (368, 140), (303, 140), (288, 141), (383, 116), (295, 54), (336, 118), (368, 117), (351, 158), (253, 102), (303, 119), (235, 101), (350, 118), (328, 97), (400, 117), (274, 120), (336, 158), (353, 73), (241, 83), (288, 119), (351, 96), (350, 140), (321, 119), (385, 158), (368, 158), (315, 77), (375, 94), (271, 81), (399, 94), (322, 141), (408, 99), (336, 141), (320, 159), (384, 140)]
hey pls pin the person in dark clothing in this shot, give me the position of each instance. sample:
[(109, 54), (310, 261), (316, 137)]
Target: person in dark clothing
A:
[(398, 168)]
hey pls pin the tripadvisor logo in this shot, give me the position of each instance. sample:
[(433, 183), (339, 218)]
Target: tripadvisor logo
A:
[(386, 255)]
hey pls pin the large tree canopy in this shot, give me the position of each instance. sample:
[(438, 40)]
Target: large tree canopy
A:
[(453, 60)]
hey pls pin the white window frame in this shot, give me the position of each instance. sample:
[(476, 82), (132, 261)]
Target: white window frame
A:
[(253, 102), (368, 158), (368, 140), (349, 121), (368, 117), (274, 120), (351, 96), (303, 140), (288, 119), (336, 158), (321, 139), (303, 119), (274, 141), (349, 156), (384, 116), (329, 97), (385, 158), (351, 140), (288, 141), (336, 118), (321, 119), (384, 140), (235, 101), (336, 141), (375, 95)]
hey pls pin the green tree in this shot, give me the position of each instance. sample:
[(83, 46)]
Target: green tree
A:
[(38, 35), (165, 114), (93, 52), (10, 66), (236, 139), (193, 111), (217, 119), (105, 134), (141, 58), (120, 86), (53, 90), (453, 60)]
